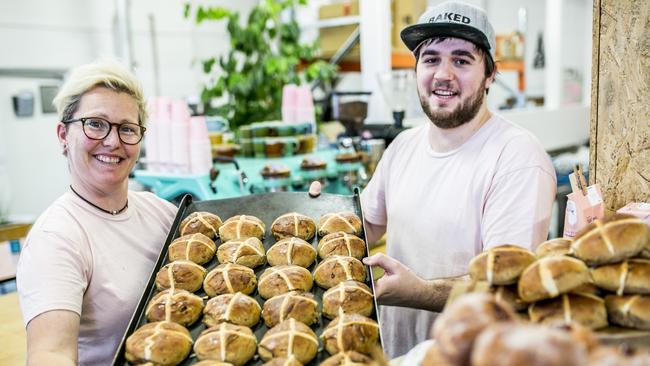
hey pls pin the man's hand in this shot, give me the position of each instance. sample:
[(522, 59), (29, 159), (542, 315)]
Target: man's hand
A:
[(399, 286)]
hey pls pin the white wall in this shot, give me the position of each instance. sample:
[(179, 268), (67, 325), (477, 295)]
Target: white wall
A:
[(42, 34)]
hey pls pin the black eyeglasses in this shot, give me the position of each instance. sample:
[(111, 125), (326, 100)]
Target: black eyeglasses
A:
[(96, 128)]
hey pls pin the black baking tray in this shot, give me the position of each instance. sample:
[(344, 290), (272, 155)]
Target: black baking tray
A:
[(267, 207)]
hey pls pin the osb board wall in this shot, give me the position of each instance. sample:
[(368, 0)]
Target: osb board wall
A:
[(620, 113)]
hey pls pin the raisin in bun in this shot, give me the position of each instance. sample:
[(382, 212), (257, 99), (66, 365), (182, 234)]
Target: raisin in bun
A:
[(340, 243), (350, 332), (462, 321), (160, 343), (281, 279), (336, 269), (178, 306), (293, 224), (234, 308), (242, 227), (197, 248), (346, 222), (202, 222), (552, 276), (350, 297), (299, 305), (611, 240), (289, 338), (229, 278), (291, 251), (248, 252), (180, 274), (226, 342), (500, 265)]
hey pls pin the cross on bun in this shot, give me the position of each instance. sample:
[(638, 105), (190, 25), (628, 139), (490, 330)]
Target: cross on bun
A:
[(338, 268), (241, 227), (202, 222), (226, 342), (631, 276), (349, 296), (550, 277), (340, 243), (178, 306), (291, 251), (350, 332), (293, 224), (161, 343), (632, 311), (234, 308), (500, 265), (248, 252), (197, 248), (346, 222), (281, 279), (180, 274), (557, 246), (229, 278), (289, 338), (299, 305), (584, 309)]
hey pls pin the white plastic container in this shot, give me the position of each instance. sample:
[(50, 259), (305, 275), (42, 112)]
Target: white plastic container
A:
[(200, 149), (180, 139)]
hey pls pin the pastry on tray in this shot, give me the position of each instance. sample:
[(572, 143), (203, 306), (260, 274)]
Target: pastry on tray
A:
[(346, 222), (178, 306), (234, 308), (180, 274), (197, 248), (501, 265), (348, 358), (584, 309), (550, 277), (350, 332), (289, 338), (160, 343), (294, 224), (248, 252), (229, 278), (336, 269), (242, 227), (202, 222), (226, 342), (349, 296), (611, 240), (281, 279), (340, 243), (299, 305), (283, 361), (291, 251)]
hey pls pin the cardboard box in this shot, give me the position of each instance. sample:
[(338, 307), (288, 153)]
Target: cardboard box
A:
[(638, 209), (404, 13)]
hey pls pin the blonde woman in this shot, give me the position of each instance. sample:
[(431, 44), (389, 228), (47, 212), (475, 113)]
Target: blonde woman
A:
[(88, 257)]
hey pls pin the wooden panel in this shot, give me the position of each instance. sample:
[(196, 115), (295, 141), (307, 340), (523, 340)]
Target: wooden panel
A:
[(620, 132), (12, 331)]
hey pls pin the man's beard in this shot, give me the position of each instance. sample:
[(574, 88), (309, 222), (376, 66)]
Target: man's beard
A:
[(464, 113)]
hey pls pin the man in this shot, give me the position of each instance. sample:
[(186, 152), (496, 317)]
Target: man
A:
[(445, 191)]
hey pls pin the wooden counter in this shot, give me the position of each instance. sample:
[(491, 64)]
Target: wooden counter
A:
[(12, 332)]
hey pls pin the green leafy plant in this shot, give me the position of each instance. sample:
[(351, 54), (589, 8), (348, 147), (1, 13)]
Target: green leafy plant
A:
[(265, 55)]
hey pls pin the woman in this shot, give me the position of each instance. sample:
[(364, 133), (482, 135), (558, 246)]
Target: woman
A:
[(88, 257)]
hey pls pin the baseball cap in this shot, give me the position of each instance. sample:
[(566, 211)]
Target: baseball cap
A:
[(452, 19)]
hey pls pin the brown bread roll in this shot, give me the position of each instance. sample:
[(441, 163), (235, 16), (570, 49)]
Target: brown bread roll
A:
[(234, 308), (550, 277), (226, 342), (161, 343), (526, 344), (242, 227), (586, 310), (349, 358), (557, 246), (611, 240), (248, 252), (350, 332), (211, 363), (178, 306), (283, 361), (340, 243), (509, 295), (197, 248), (346, 222), (291, 251), (350, 297), (202, 222), (289, 338), (180, 274), (632, 311), (298, 305), (618, 356), (629, 277), (458, 326), (229, 278), (500, 265), (336, 269), (293, 225), (434, 357), (281, 279)]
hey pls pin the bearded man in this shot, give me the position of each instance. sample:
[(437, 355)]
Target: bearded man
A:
[(450, 189)]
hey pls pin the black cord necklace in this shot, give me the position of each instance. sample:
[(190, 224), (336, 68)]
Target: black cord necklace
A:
[(115, 212)]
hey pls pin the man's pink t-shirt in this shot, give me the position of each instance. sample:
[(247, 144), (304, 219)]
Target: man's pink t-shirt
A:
[(442, 209), (79, 259)]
